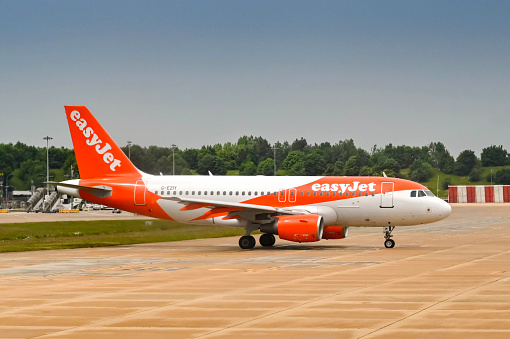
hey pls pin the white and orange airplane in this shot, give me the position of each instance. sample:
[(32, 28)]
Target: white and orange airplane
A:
[(296, 208)]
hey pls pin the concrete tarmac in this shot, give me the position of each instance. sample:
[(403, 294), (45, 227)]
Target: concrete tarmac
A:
[(450, 279)]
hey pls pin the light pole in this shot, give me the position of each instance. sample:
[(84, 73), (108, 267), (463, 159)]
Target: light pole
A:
[(129, 149), (47, 161), (173, 158), (274, 158), (7, 186)]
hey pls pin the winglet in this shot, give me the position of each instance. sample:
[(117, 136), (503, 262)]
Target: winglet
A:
[(96, 153)]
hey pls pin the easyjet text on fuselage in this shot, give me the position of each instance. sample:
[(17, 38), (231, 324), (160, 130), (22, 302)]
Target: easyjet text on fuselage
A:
[(351, 187)]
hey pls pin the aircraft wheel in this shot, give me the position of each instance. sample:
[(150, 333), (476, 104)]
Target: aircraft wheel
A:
[(267, 239), (247, 242), (389, 243)]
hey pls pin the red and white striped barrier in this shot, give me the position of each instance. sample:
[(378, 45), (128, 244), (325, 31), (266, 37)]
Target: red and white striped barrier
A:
[(472, 194)]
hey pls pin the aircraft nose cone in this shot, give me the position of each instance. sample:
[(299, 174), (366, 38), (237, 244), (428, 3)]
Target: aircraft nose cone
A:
[(444, 209)]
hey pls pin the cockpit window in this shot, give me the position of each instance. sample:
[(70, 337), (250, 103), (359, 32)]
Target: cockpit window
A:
[(413, 194), (429, 194), (421, 194)]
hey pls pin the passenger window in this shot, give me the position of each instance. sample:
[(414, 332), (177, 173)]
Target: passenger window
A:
[(156, 192), (359, 194), (327, 194), (347, 194), (229, 193), (249, 192), (192, 192), (187, 192), (237, 192), (334, 194), (314, 194), (366, 194), (255, 193), (175, 192), (199, 192), (373, 194), (274, 194), (321, 194), (180, 192), (340, 194), (243, 193)]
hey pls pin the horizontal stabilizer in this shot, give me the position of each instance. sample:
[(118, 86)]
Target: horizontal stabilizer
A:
[(100, 191)]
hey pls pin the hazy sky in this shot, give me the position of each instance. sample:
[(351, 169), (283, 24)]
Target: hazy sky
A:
[(206, 72)]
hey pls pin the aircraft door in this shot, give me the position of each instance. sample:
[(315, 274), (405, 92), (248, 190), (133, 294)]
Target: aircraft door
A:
[(292, 195), (140, 190), (282, 195), (387, 194)]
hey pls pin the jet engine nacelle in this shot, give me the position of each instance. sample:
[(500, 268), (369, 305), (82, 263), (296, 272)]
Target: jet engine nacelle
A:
[(300, 228), (335, 232)]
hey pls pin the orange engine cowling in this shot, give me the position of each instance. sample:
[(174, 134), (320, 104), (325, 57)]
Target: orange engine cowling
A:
[(300, 228), (335, 232)]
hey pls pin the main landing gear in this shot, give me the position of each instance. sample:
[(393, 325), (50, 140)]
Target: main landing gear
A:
[(388, 243), (248, 242), (267, 240)]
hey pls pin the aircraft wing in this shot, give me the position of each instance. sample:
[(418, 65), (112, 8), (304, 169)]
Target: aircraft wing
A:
[(192, 203)]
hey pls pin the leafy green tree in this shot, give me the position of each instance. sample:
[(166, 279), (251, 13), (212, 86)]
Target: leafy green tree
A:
[(165, 166), (365, 171), (475, 175), (420, 170), (315, 163), (294, 163), (465, 163), (446, 182), (336, 169), (299, 145), (439, 157), (266, 167), (248, 168), (351, 166), (191, 157), (345, 149), (211, 163), (31, 170), (494, 156), (502, 177)]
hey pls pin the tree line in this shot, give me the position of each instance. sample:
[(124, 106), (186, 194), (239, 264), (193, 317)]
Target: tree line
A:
[(24, 165)]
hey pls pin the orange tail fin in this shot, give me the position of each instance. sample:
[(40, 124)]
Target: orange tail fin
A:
[(96, 153)]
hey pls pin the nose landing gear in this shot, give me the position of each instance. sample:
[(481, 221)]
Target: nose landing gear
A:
[(388, 243)]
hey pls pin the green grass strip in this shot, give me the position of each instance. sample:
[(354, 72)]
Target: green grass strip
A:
[(18, 237)]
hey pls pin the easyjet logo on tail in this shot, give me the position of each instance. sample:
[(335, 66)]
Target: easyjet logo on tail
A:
[(94, 141)]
